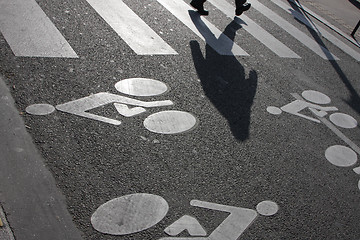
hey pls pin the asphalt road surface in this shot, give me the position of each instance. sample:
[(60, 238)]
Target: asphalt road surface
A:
[(156, 123)]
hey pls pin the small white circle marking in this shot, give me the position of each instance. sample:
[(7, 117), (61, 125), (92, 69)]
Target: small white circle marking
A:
[(274, 110), (40, 109), (267, 208)]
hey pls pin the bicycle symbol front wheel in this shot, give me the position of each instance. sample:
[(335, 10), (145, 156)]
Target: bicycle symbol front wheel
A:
[(170, 122)]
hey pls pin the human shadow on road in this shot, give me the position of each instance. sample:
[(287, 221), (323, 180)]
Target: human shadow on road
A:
[(354, 101), (223, 78)]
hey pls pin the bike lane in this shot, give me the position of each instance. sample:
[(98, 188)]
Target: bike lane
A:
[(215, 165)]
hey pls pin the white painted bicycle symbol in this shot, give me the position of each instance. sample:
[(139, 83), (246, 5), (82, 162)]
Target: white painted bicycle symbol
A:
[(137, 212), (338, 155), (164, 122)]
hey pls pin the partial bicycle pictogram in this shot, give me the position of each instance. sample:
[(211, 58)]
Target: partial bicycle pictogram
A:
[(164, 122), (137, 212), (338, 155)]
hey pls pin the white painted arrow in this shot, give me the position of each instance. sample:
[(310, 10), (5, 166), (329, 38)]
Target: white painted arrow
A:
[(188, 223), (125, 111)]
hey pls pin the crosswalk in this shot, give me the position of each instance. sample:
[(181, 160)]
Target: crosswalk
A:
[(129, 26), (30, 33), (316, 28), (255, 30)]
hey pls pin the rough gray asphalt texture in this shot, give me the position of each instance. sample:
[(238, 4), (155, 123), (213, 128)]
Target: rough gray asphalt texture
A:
[(279, 158)]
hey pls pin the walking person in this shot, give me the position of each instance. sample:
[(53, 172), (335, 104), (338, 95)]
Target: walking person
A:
[(241, 6)]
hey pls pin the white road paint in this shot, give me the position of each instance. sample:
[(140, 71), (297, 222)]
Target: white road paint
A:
[(164, 122), (298, 105), (340, 135), (231, 228), (141, 87), (320, 118), (274, 110), (338, 155), (234, 225), (170, 122), (343, 120), (341, 156), (322, 32), (129, 214), (137, 212), (324, 21), (357, 170), (316, 97), (202, 28), (126, 111), (267, 208), (131, 28), (40, 109), (188, 223), (255, 30), (293, 31), (29, 32), (80, 106)]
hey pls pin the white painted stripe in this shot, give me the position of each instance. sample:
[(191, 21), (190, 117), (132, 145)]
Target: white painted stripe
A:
[(293, 31), (255, 30), (321, 19), (29, 32), (203, 28), (317, 28), (340, 134), (131, 28), (332, 127)]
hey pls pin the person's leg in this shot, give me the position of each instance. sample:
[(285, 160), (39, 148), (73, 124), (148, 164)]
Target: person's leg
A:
[(199, 5), (241, 6)]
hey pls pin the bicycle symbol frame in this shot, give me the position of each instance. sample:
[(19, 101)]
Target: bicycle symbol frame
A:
[(338, 155), (137, 212), (163, 122)]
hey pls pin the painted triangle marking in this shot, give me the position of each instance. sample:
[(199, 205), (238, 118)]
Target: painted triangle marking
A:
[(188, 223), (125, 111)]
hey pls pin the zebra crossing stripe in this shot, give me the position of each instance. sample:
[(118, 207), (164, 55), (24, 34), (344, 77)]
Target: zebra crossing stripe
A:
[(255, 30), (29, 32), (321, 19), (293, 31), (203, 28), (322, 31), (131, 28)]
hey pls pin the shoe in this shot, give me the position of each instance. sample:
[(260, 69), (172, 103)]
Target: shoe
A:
[(239, 3), (199, 6), (243, 8)]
